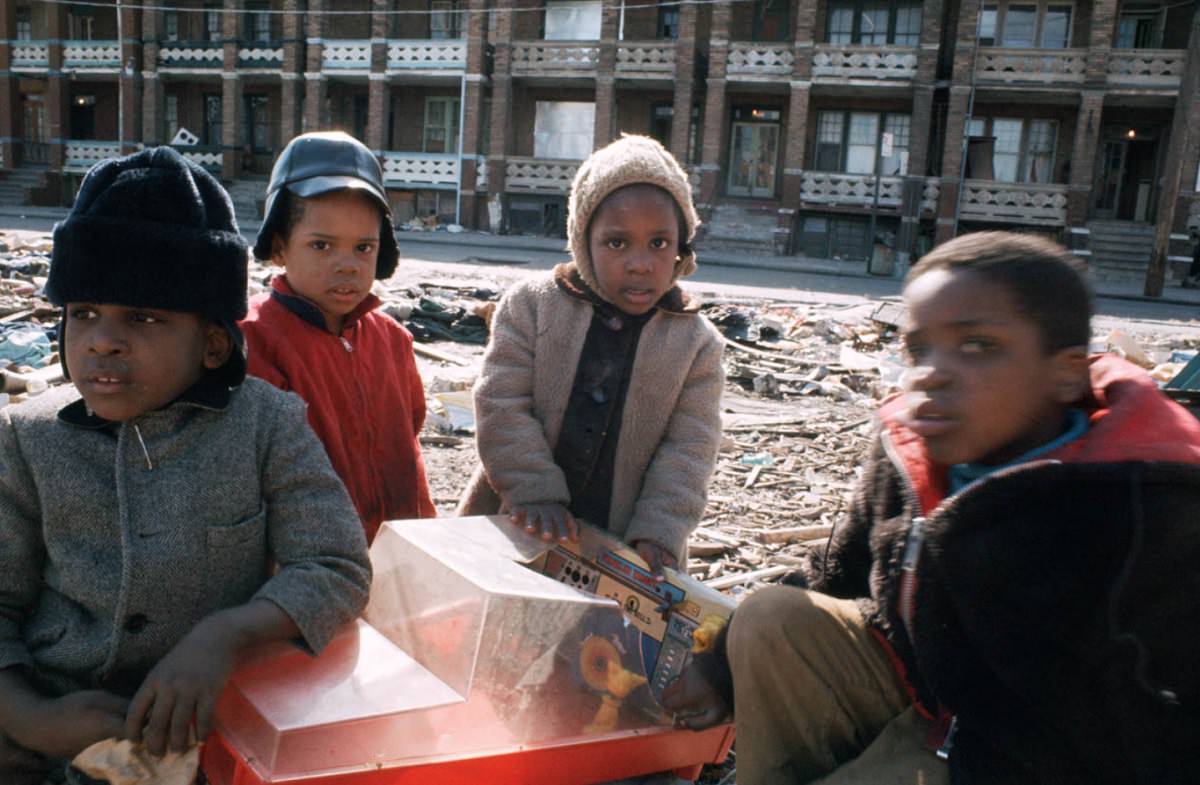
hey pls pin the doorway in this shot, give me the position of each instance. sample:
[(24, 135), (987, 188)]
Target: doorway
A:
[(1126, 177), (35, 147), (754, 151)]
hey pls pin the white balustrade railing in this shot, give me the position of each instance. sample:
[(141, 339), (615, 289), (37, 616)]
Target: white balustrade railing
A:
[(210, 159), (346, 55), (423, 170), (930, 193), (539, 175), (554, 56), (1146, 67), (1028, 203), (481, 173), (81, 155), (646, 57), (193, 55), (997, 64), (30, 54), (758, 59), (850, 189), (428, 54), (91, 54), (864, 62), (693, 173), (261, 56)]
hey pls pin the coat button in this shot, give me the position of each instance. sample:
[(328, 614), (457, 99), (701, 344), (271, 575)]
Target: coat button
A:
[(136, 623)]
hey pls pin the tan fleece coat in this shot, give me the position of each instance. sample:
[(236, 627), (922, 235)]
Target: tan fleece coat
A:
[(670, 426)]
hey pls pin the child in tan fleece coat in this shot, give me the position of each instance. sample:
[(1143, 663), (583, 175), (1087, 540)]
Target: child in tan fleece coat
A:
[(599, 398)]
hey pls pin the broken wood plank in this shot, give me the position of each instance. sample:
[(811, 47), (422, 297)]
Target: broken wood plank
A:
[(726, 581), (794, 534), (437, 354), (706, 549)]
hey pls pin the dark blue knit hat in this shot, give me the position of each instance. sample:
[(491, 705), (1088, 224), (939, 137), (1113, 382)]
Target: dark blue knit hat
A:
[(154, 230)]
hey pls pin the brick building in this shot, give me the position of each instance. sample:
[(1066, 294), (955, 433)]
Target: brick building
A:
[(802, 123)]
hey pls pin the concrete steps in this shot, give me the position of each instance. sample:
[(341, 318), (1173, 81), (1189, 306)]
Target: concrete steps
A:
[(246, 193), (13, 184), (1120, 250), (733, 227)]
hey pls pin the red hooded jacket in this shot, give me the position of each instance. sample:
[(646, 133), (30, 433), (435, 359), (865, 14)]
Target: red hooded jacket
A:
[(364, 394)]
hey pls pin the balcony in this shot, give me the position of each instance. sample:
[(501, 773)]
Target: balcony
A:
[(759, 61), (91, 55), (448, 56), (209, 158), (539, 175), (30, 54), (346, 56), (646, 59), (554, 58), (857, 190), (80, 155), (1145, 67), (481, 174), (845, 62), (191, 55), (1014, 203), (420, 170), (261, 54), (1024, 66)]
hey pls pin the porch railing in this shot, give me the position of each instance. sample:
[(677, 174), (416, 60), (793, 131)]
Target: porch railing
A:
[(1022, 203), (759, 59), (421, 170), (91, 54), (930, 193), (865, 62), (646, 57), (835, 188), (346, 55), (79, 155), (997, 64), (210, 158), (539, 175), (261, 54), (195, 54), (481, 173), (30, 54), (35, 151), (539, 56), (1146, 67), (426, 54)]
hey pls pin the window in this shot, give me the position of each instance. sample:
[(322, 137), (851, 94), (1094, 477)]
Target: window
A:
[(874, 22), (572, 20), (660, 123), (850, 142), (564, 129), (668, 22), (213, 120), (170, 116), (1140, 26), (257, 135), (81, 26), (171, 25), (445, 20), (24, 24), (1022, 150), (258, 22), (1026, 25), (212, 25), (441, 125), (772, 20)]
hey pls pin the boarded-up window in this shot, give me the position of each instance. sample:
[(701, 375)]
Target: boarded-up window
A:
[(564, 129), (573, 20)]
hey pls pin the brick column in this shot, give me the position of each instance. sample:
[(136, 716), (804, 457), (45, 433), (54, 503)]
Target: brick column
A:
[(501, 121), (58, 93), (314, 81), (1083, 157), (231, 93), (1100, 40), (956, 118), (9, 93), (153, 101), (606, 68), (716, 121), (291, 98), (685, 83), (377, 87), (797, 126), (131, 78), (472, 145)]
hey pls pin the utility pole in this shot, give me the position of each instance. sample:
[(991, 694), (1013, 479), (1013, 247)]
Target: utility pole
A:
[(1181, 138)]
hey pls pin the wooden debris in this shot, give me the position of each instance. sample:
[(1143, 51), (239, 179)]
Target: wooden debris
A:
[(728, 581)]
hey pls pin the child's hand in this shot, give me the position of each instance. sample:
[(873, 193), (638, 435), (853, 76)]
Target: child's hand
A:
[(696, 704), (182, 689), (64, 727), (553, 520), (657, 557)]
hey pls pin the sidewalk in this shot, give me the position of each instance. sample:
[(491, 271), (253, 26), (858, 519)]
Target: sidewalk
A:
[(1131, 290)]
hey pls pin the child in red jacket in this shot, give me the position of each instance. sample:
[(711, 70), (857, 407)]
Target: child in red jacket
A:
[(329, 225)]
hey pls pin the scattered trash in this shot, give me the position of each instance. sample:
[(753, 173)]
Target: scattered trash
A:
[(1126, 346), (24, 344)]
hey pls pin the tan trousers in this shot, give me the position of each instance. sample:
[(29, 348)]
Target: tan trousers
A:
[(817, 699)]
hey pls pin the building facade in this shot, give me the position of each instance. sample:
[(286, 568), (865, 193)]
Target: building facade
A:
[(803, 124)]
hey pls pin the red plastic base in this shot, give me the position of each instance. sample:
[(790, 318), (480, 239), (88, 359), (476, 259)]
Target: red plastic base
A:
[(683, 752)]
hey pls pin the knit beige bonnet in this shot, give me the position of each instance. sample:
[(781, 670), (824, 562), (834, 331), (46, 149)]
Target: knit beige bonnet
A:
[(629, 160)]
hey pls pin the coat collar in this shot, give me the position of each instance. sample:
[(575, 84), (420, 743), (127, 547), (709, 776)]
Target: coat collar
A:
[(282, 293), (209, 393), (568, 279)]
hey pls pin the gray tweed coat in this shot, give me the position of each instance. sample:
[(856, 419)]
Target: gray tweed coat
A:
[(115, 541)]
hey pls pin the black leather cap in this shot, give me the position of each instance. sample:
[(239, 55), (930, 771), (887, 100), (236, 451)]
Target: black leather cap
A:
[(317, 163)]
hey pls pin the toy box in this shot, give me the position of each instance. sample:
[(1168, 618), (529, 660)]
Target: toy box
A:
[(485, 655)]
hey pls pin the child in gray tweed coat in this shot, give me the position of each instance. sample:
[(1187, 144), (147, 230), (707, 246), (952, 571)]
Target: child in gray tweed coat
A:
[(600, 393), (164, 513)]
